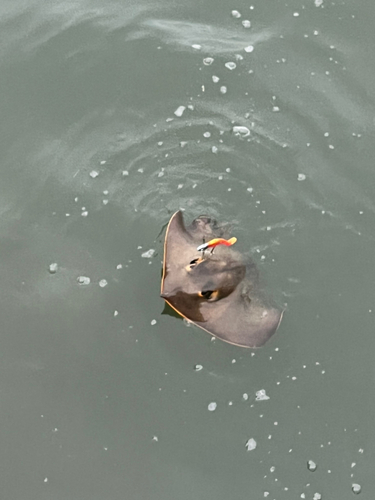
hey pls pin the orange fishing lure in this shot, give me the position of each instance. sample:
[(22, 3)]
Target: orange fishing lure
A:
[(216, 242)]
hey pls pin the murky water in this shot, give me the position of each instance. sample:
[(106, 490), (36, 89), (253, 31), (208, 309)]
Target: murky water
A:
[(116, 114)]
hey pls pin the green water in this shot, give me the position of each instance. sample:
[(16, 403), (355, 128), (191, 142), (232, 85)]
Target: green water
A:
[(98, 402)]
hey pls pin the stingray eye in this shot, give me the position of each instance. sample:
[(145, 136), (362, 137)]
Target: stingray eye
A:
[(193, 264), (209, 295)]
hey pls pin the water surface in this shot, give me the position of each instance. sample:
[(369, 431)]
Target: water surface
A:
[(115, 115)]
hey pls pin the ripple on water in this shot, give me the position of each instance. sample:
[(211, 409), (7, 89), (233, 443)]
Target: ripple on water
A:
[(215, 39)]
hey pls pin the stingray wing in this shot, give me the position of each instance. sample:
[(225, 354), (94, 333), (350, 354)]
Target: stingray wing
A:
[(179, 247), (239, 320)]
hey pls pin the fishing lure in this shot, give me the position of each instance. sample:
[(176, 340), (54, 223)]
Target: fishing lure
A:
[(216, 242)]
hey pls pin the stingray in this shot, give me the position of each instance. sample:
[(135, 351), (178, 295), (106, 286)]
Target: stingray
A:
[(218, 291)]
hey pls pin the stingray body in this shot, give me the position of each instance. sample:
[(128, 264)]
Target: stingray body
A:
[(219, 293)]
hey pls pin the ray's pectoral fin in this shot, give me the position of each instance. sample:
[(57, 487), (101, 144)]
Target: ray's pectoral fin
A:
[(243, 321), (169, 311)]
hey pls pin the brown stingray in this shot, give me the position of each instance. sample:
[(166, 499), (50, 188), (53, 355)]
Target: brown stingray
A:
[(219, 292)]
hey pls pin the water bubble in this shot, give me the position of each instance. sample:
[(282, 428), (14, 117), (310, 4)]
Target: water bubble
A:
[(103, 283), (198, 368), (241, 131), (179, 111), (356, 488), (245, 396), (83, 280), (94, 174), (149, 254), (311, 466), (223, 89), (249, 48), (186, 322), (317, 496), (207, 134), (196, 46), (115, 313), (251, 444), (215, 79), (250, 189), (295, 14), (153, 322), (214, 149), (230, 65), (261, 395), (318, 3), (246, 23), (125, 173), (212, 407), (275, 109), (53, 268), (236, 14), (208, 61), (301, 177)]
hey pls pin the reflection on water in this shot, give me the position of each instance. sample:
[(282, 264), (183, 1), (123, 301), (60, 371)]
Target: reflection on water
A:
[(116, 115)]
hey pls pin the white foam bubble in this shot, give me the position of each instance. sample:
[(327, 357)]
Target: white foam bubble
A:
[(230, 65), (180, 110), (251, 444)]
